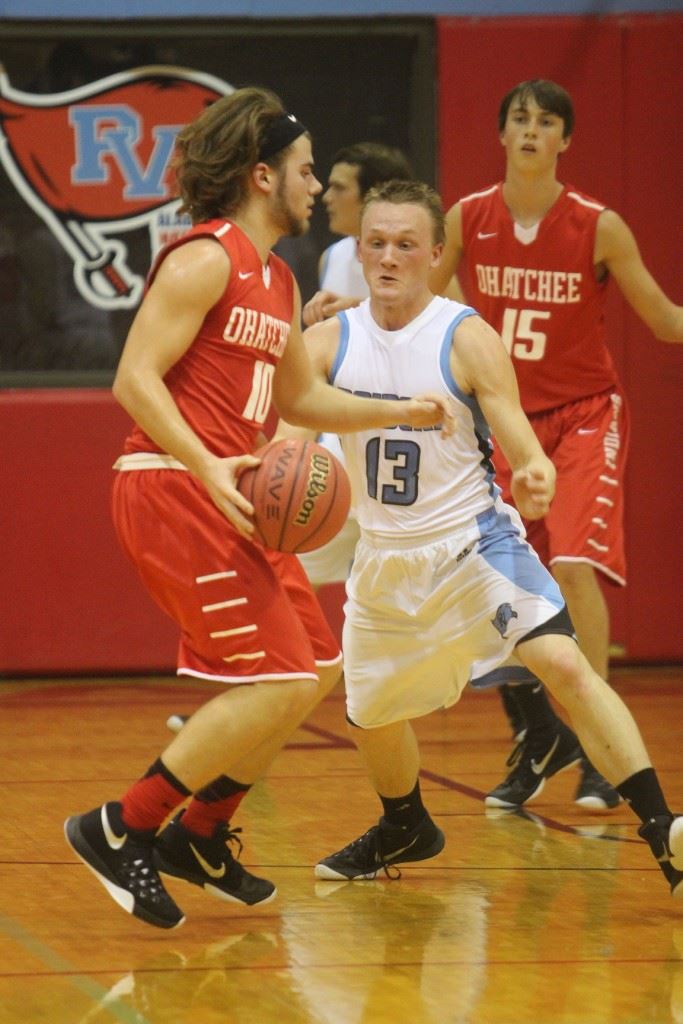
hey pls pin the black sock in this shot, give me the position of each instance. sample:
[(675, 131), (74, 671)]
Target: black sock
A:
[(509, 699), (536, 709), (404, 811), (644, 794)]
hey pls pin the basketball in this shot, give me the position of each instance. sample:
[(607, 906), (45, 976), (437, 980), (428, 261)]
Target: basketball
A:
[(300, 493)]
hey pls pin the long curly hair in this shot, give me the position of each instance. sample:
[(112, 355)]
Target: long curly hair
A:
[(215, 152)]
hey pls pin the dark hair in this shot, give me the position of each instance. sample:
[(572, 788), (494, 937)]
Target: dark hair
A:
[(549, 95), (375, 163), (415, 192), (216, 151)]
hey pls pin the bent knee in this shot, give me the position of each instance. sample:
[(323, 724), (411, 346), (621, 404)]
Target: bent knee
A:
[(558, 662)]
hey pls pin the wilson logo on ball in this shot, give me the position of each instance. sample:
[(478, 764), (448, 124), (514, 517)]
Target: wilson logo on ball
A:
[(317, 485), (300, 493)]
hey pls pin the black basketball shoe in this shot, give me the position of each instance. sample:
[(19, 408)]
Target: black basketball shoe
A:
[(380, 847), (121, 858), (535, 759), (208, 862)]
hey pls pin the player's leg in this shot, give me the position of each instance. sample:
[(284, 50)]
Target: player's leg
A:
[(585, 531), (405, 832), (205, 824), (525, 702), (588, 609), (611, 739), (238, 627), (574, 438), (399, 663), (579, 584)]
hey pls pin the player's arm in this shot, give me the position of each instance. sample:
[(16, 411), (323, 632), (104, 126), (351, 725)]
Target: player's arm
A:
[(303, 397), (616, 247), (321, 345), (326, 304), (442, 280), (482, 367), (189, 282)]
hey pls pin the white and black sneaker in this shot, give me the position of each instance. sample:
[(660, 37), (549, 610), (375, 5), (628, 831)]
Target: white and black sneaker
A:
[(209, 863), (121, 858), (665, 838), (380, 848)]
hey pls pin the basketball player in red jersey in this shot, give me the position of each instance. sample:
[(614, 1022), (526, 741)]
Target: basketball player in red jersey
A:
[(216, 335), (536, 257)]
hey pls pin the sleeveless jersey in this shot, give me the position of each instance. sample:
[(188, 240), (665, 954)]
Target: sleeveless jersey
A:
[(537, 288), (408, 483), (222, 385), (341, 271)]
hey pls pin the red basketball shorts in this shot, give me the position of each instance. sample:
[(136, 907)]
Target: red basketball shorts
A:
[(588, 442), (246, 614)]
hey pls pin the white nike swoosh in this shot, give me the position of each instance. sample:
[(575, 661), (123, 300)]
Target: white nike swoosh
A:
[(205, 866), (487, 234), (396, 853), (242, 276), (587, 430), (539, 767), (115, 842)]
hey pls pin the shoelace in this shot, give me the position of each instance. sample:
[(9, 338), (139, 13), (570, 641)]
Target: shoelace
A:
[(230, 835), (373, 860)]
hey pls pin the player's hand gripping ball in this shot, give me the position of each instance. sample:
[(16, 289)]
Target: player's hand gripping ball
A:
[(300, 493)]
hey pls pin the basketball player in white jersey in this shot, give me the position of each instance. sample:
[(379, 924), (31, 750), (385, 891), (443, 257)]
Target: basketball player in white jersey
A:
[(444, 587), (355, 170), (343, 286)]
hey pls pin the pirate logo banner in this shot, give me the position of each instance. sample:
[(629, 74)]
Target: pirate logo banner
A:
[(95, 162)]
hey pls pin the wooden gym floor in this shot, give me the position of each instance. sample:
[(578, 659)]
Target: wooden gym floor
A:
[(557, 917)]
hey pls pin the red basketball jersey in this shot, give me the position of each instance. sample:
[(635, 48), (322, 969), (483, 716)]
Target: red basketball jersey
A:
[(537, 288), (223, 383)]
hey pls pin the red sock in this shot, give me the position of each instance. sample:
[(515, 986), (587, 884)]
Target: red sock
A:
[(151, 799), (214, 805)]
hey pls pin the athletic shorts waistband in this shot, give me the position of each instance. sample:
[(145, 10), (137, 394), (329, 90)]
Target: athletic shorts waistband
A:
[(147, 460)]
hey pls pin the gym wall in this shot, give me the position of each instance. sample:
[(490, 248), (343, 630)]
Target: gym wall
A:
[(70, 602)]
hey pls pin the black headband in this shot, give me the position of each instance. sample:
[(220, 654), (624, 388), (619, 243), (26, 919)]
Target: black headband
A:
[(280, 133)]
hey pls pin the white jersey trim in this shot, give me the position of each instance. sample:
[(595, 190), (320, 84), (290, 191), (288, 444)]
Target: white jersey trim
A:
[(586, 202), (147, 460), (479, 195)]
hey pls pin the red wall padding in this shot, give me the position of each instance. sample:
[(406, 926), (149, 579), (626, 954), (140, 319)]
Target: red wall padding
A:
[(70, 601), (625, 75)]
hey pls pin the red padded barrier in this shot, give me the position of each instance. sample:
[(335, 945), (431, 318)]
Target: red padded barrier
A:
[(70, 600)]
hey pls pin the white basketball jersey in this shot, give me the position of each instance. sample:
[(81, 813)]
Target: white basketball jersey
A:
[(409, 483), (341, 271)]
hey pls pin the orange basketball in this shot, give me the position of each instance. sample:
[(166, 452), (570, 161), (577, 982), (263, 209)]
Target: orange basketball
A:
[(300, 493)]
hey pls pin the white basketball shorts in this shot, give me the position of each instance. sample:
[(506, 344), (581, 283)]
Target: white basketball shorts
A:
[(421, 621)]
